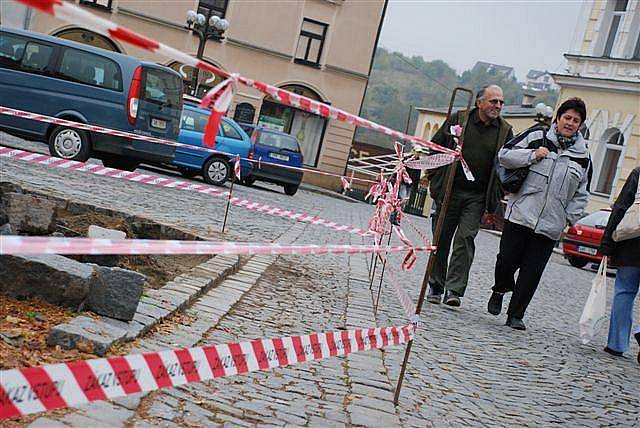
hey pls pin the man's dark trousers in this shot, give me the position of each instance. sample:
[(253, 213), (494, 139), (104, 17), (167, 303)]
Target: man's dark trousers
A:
[(521, 248), (461, 224)]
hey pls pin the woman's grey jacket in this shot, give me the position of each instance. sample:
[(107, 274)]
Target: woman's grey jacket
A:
[(554, 194)]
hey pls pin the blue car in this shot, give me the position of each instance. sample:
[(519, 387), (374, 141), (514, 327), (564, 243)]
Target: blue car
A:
[(214, 168), (272, 148)]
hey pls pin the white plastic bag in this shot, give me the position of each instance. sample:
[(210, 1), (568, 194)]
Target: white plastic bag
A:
[(595, 311)]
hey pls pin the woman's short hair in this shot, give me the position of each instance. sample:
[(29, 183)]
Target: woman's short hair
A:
[(573, 104)]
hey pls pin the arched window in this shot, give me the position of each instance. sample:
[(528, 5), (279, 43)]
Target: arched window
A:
[(435, 129), (426, 132), (87, 37), (244, 113), (613, 144), (205, 80), (307, 127)]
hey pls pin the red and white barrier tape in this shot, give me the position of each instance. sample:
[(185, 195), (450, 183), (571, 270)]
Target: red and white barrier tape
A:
[(56, 245), (403, 297), (8, 111), (174, 184), (73, 14), (43, 388)]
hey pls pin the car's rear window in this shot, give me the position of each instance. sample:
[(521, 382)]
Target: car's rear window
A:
[(278, 141), (598, 219), (162, 88), (193, 120)]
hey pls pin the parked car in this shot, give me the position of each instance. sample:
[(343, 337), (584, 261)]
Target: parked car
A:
[(581, 242), (214, 168), (275, 147), (60, 78)]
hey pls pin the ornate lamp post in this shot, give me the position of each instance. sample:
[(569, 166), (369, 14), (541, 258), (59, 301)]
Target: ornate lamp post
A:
[(544, 114), (213, 28)]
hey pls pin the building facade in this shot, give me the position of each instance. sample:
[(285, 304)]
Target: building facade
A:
[(541, 81), (322, 49), (604, 70)]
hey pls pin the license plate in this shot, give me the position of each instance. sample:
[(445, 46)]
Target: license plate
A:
[(158, 123), (587, 250), (279, 156)]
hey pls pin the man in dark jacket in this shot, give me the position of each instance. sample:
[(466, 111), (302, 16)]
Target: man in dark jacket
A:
[(485, 134), (626, 255)]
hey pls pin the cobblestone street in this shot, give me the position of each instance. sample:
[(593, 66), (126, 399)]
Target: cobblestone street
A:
[(466, 367)]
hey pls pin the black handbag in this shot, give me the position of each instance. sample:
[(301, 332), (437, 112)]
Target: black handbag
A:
[(511, 179)]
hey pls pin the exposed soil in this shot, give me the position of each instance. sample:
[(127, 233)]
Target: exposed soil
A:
[(159, 269)]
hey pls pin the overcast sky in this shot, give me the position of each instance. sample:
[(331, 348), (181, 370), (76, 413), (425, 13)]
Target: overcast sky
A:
[(531, 34)]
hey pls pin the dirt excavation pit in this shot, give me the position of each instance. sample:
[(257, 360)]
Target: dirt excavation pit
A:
[(159, 269)]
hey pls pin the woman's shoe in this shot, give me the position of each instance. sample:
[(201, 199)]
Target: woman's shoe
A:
[(515, 323), (613, 352)]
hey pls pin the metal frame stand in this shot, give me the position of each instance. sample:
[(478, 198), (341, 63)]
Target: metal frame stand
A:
[(438, 231), (226, 210)]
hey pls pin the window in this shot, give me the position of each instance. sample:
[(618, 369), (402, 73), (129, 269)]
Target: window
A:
[(162, 88), (311, 42), (610, 161), (193, 121), (103, 4), (636, 53), (11, 50), (91, 69), (229, 131), (619, 8), (210, 8), (36, 57), (244, 113)]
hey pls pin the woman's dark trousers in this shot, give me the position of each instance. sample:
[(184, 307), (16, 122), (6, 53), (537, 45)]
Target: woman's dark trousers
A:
[(521, 248)]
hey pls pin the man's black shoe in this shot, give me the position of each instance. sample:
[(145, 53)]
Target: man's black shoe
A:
[(434, 296), (451, 298), (515, 323), (613, 352), (637, 336), (495, 303)]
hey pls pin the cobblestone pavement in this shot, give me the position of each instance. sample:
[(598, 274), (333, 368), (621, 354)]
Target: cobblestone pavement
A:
[(466, 367)]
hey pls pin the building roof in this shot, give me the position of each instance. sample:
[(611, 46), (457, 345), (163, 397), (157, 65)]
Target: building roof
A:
[(534, 74), (500, 68), (507, 111)]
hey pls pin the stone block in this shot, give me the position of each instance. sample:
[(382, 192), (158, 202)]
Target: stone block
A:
[(82, 330), (56, 279), (97, 232), (30, 214), (115, 292)]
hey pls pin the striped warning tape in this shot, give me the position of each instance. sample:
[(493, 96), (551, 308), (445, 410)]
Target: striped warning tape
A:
[(11, 245), (38, 389), (174, 184)]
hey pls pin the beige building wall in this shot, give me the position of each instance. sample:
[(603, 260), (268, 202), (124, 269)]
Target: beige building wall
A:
[(260, 44), (607, 78)]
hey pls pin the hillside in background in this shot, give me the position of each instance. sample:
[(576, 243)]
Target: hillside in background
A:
[(398, 81)]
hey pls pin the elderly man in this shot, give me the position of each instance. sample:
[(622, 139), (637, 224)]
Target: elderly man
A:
[(485, 134)]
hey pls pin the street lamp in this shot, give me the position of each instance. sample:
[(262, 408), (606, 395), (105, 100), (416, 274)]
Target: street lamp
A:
[(213, 28), (544, 114)]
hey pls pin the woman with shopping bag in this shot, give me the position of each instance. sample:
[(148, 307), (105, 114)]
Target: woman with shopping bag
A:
[(621, 241)]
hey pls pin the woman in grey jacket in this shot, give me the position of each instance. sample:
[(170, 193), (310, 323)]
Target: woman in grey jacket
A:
[(553, 195)]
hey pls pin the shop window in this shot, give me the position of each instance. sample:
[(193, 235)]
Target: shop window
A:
[(610, 160), (307, 127), (102, 4), (211, 8), (311, 42), (205, 80)]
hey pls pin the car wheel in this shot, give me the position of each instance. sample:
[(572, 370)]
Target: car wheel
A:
[(248, 181), (216, 171), (188, 172), (70, 143), (120, 163), (290, 189), (576, 261)]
